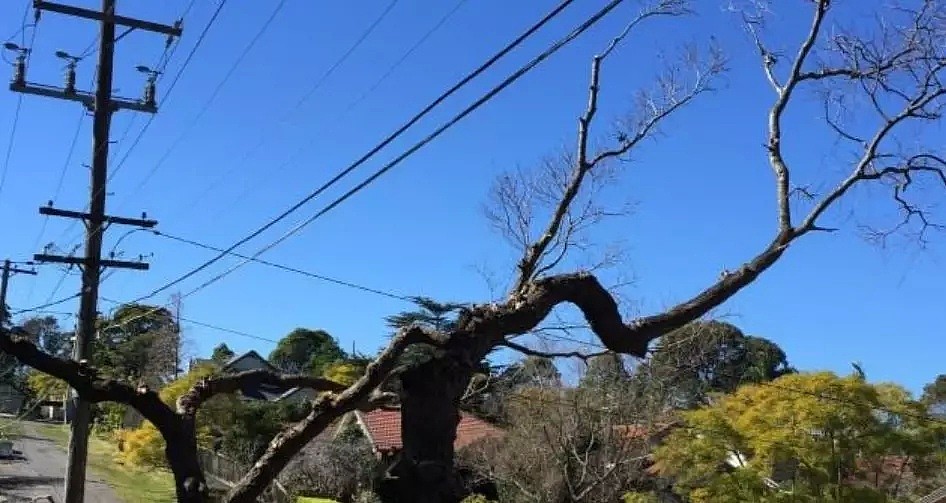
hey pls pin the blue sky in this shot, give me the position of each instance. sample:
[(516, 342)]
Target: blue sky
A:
[(702, 193)]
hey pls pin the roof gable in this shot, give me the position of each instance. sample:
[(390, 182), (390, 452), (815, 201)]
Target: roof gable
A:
[(248, 361)]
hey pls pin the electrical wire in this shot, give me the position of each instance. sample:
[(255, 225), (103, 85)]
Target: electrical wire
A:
[(417, 146), (185, 131), (194, 322), (19, 98), (177, 76), (328, 73), (351, 106), (548, 17), (286, 268), (48, 304), (174, 81)]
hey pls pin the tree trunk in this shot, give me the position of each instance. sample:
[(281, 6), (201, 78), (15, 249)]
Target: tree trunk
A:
[(181, 452), (424, 471)]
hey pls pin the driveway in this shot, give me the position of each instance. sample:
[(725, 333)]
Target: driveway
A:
[(38, 472)]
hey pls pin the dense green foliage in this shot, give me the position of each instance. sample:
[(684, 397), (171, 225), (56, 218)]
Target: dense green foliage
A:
[(222, 354), (138, 343), (704, 358), (304, 350)]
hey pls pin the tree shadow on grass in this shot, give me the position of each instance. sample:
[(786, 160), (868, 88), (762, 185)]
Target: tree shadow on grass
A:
[(20, 482)]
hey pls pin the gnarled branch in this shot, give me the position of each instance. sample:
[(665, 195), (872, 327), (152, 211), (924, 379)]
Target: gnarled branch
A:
[(204, 390), (84, 379), (326, 409)]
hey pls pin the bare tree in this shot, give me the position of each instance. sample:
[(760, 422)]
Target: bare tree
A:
[(888, 76), (567, 444)]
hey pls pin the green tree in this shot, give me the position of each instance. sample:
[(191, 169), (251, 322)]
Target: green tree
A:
[(703, 358), (934, 396), (47, 334), (827, 438), (305, 350), (44, 386), (605, 371), (222, 353), (440, 316), (138, 342)]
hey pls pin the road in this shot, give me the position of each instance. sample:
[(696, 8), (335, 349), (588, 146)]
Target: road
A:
[(39, 473)]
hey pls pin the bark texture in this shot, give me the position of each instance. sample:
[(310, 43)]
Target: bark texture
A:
[(424, 471)]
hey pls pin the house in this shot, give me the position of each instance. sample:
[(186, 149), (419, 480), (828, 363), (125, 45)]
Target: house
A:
[(382, 430), (11, 399), (252, 360)]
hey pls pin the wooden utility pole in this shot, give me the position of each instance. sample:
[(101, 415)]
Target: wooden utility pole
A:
[(102, 105), (8, 270)]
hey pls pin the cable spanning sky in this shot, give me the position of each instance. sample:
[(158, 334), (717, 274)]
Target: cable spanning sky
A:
[(702, 194)]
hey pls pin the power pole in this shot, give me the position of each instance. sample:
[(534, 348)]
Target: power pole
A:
[(102, 105), (8, 270), (176, 338)]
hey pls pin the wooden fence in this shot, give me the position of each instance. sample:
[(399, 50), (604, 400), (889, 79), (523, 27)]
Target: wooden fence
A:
[(223, 473)]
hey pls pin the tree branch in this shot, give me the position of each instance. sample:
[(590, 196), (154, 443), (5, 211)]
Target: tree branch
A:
[(776, 158), (545, 354), (207, 388), (673, 100), (325, 409), (85, 381)]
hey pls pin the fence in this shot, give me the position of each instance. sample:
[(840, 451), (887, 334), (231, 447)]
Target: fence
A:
[(227, 472)]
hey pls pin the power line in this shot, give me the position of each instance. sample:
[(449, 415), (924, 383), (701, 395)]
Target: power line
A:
[(294, 109), (417, 146), (167, 94), (287, 268), (192, 321), (328, 73), (19, 99), (228, 330), (351, 106), (48, 304), (381, 145), (213, 95), (174, 81)]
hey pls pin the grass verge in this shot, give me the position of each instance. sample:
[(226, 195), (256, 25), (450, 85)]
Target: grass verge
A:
[(131, 484), (10, 429)]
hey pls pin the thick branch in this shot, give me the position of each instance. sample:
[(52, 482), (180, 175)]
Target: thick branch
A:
[(519, 316), (84, 380), (204, 390), (326, 409)]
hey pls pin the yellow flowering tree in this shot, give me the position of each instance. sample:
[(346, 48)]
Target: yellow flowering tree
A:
[(144, 446), (813, 437)]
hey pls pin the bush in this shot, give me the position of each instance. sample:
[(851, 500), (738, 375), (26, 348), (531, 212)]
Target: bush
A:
[(109, 417), (142, 446), (476, 498), (338, 469), (640, 498)]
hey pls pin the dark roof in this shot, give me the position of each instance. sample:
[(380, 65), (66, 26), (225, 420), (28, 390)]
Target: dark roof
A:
[(249, 354), (267, 392)]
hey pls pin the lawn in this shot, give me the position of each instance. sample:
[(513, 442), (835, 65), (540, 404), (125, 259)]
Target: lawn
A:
[(314, 500), (130, 483), (9, 428)]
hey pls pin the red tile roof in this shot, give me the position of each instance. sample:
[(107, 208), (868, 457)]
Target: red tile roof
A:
[(384, 429)]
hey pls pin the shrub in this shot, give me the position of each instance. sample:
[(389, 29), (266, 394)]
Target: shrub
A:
[(476, 498), (142, 446)]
